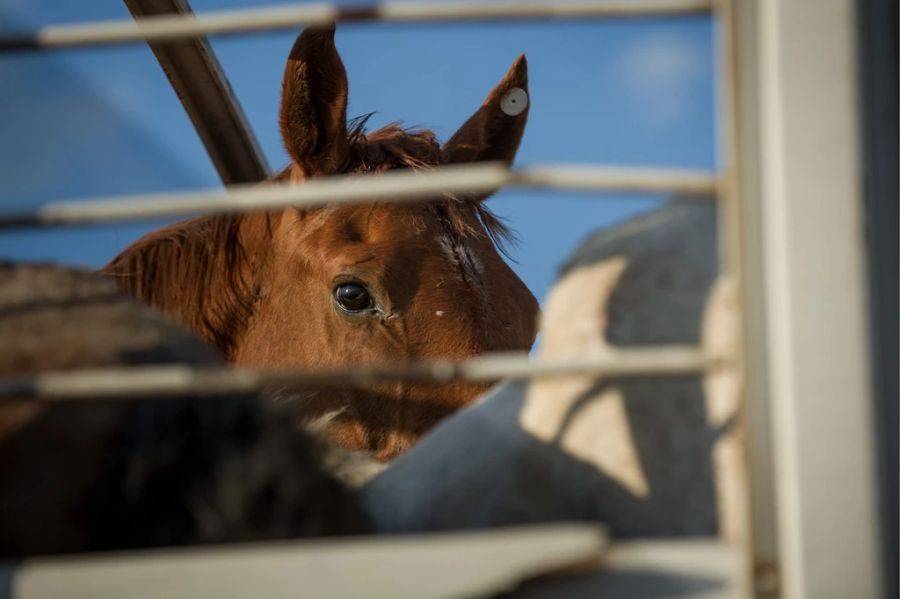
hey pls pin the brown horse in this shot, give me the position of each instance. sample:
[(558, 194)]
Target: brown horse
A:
[(338, 285)]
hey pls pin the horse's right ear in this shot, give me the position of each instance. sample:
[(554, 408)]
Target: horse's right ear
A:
[(314, 103), (495, 130)]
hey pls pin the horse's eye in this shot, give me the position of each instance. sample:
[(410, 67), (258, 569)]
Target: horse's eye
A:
[(352, 297)]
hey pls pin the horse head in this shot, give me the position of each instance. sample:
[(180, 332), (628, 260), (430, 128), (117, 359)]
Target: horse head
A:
[(368, 284)]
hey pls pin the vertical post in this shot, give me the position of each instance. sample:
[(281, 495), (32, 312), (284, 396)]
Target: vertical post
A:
[(742, 224), (739, 234), (806, 222)]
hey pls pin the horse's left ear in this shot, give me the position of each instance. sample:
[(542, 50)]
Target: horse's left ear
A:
[(314, 103), (495, 130)]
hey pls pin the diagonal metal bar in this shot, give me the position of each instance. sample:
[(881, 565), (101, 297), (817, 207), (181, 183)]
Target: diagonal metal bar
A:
[(204, 91)]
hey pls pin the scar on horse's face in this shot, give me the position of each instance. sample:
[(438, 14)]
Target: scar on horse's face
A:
[(382, 282)]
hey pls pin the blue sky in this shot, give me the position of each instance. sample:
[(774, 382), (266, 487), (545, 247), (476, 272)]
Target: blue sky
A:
[(105, 121)]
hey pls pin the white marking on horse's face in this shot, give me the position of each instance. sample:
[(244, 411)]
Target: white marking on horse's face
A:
[(463, 257), (319, 424), (514, 102), (439, 313)]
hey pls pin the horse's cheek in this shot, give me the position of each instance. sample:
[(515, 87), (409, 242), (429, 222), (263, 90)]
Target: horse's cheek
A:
[(279, 334)]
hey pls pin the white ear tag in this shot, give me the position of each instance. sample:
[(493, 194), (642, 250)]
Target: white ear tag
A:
[(514, 102)]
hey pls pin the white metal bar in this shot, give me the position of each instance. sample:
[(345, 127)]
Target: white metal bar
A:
[(154, 29), (574, 177), (812, 254), (763, 565), (185, 380), (395, 186), (435, 566), (485, 563), (732, 240)]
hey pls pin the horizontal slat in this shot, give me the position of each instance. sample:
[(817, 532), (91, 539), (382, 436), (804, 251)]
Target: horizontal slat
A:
[(458, 564), (396, 186), (183, 380), (154, 29), (436, 566)]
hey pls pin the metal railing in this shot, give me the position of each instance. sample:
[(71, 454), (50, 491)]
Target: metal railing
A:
[(179, 380), (398, 186), (395, 186), (809, 26), (172, 27)]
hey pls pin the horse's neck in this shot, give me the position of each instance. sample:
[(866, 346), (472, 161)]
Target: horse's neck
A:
[(201, 272)]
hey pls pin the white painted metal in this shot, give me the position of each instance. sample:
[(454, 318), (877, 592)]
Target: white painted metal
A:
[(812, 257), (177, 380), (395, 186), (761, 544), (470, 564), (290, 17), (526, 562), (733, 238), (589, 177)]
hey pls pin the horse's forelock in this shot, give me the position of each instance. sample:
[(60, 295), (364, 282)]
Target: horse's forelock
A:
[(391, 147), (394, 146)]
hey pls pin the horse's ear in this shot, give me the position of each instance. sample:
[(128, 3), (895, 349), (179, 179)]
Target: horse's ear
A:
[(495, 130), (314, 103)]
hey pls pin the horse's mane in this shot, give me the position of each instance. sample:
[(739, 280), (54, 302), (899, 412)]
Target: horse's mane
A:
[(194, 271), (198, 271)]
